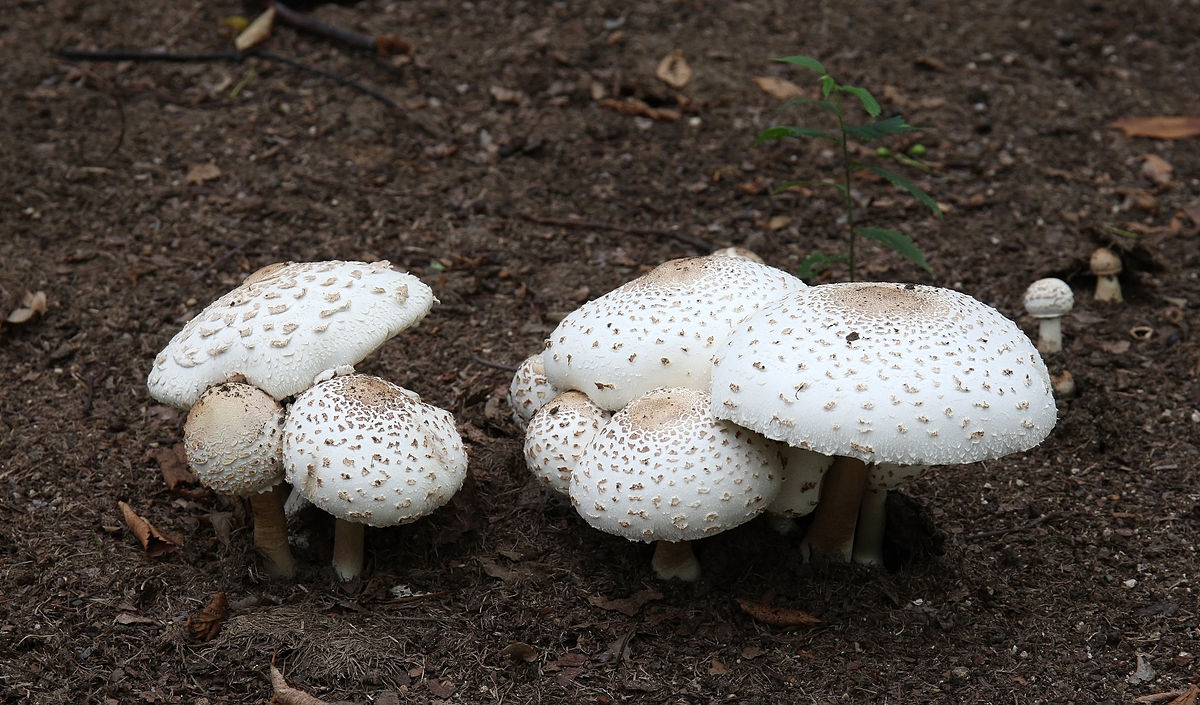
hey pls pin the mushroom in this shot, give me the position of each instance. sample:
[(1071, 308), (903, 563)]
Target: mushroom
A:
[(659, 329), (557, 435), (738, 251), (370, 453), (233, 440), (529, 390), (799, 487), (664, 470), (881, 373), (1106, 265), (1048, 300)]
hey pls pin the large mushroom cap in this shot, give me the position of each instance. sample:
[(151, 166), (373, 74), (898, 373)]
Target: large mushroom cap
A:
[(233, 439), (371, 452), (895, 373), (557, 435), (285, 325), (662, 469), (1049, 298), (659, 329)]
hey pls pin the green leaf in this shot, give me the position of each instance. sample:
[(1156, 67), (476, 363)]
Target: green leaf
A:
[(827, 85), (816, 263), (913, 189), (864, 96), (808, 182), (784, 131), (810, 101), (899, 242), (805, 61), (873, 130)]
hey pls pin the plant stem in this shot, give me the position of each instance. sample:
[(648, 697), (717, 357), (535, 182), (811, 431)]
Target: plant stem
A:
[(846, 169)]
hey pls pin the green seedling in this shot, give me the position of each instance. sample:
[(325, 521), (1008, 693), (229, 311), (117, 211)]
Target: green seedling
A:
[(832, 94)]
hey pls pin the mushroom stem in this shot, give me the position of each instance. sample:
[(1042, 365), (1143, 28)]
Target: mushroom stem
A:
[(348, 549), (831, 536), (675, 561), (1108, 288), (868, 535), (270, 533), (1049, 335)]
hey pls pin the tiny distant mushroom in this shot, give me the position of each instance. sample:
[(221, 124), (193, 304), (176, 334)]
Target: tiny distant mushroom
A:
[(660, 329), (529, 390), (1048, 300), (233, 440), (873, 374), (370, 453), (663, 470), (1106, 265), (557, 435)]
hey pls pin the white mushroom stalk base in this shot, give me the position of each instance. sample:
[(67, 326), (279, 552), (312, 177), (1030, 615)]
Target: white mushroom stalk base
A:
[(675, 561), (270, 533), (831, 536), (348, 549), (1049, 335), (868, 535)]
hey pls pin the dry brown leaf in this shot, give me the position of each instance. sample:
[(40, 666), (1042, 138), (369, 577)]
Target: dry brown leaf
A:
[(32, 304), (257, 31), (633, 106), (441, 687), (287, 695), (716, 668), (206, 624), (199, 173), (520, 651), (780, 88), (391, 45), (172, 463), (628, 606), (1158, 170), (154, 541), (777, 616), (1163, 128), (494, 569), (673, 70)]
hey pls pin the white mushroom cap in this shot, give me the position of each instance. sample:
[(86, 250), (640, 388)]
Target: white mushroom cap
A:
[(557, 435), (889, 476), (737, 251), (529, 390), (664, 470), (368, 451), (285, 325), (660, 329), (233, 439), (1049, 298), (891, 373), (1104, 262)]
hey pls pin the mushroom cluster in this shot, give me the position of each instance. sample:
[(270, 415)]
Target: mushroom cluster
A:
[(839, 391), (237, 365)]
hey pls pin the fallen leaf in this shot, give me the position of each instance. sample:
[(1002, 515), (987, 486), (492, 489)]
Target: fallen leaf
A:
[(441, 687), (256, 32), (628, 606), (1159, 170), (633, 106), (154, 541), (777, 616), (1143, 672), (778, 222), (199, 173), (520, 651), (716, 668), (507, 95), (222, 524), (172, 463), (673, 70), (494, 569), (1115, 347), (391, 45), (1188, 697), (752, 652), (287, 695), (32, 304), (780, 88), (1163, 128), (206, 624), (130, 618)]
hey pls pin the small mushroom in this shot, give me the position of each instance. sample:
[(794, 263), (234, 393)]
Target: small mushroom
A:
[(664, 470), (557, 435), (1106, 265), (875, 374), (660, 329), (529, 390), (233, 440), (371, 454), (1048, 300)]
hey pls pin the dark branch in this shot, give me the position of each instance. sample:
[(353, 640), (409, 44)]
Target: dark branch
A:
[(632, 229)]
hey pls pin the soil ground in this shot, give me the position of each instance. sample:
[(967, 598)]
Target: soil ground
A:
[(135, 193)]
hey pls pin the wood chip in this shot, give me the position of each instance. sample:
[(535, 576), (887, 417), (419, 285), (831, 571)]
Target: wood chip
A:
[(674, 71), (777, 616), (780, 88), (1163, 128)]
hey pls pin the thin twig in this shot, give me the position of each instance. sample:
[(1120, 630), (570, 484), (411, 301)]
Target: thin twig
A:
[(74, 54), (632, 229), (221, 260), (383, 44), (494, 365), (1012, 529)]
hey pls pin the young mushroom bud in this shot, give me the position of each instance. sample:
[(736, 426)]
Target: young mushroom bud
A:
[(529, 390), (1048, 300), (1106, 265)]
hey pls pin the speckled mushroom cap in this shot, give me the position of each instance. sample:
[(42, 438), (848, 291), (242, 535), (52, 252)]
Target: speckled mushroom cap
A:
[(659, 329), (897, 373), (529, 390), (664, 470), (285, 325), (233, 439), (1049, 298), (557, 435), (1104, 262), (368, 451)]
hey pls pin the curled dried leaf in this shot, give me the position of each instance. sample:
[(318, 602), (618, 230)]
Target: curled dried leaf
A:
[(155, 542), (206, 624), (520, 651), (287, 695), (777, 616)]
